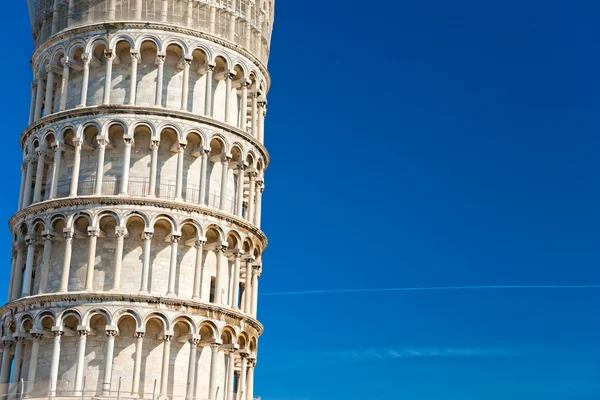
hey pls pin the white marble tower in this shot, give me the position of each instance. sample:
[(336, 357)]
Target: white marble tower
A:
[(137, 247)]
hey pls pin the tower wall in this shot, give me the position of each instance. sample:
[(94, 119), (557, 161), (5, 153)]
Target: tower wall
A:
[(137, 247)]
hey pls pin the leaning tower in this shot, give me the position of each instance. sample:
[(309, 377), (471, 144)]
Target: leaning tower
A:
[(137, 248)]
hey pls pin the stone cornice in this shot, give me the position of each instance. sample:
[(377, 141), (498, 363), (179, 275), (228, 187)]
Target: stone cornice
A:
[(104, 200), (103, 297), (138, 110), (120, 25)]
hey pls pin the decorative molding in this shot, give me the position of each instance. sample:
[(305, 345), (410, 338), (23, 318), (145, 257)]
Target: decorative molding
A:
[(86, 298)]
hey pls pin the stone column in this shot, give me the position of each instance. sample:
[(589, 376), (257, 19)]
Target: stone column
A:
[(203, 174), (5, 370), (239, 208), (108, 361), (64, 283), (33, 360), (191, 378), (230, 374), (248, 288), (242, 381), (55, 360), (55, 16), (138, 10), (49, 89), (255, 276), (135, 56), (186, 82), (48, 240), (212, 21), (83, 334), (153, 166), (244, 107), (17, 284), (13, 262), (71, 12), (126, 166), (76, 160), (32, 102), (28, 182), (164, 10), (16, 369), (253, 117), (221, 269), (212, 383), (250, 209), (199, 244), (231, 26), (147, 236), (31, 243), (120, 233), (110, 56), (228, 81), (179, 181), (209, 91), (235, 296), (258, 205), (160, 61), (37, 192), (164, 373), (89, 281), (250, 379), (112, 8), (55, 170), (100, 165), (190, 13), (262, 113), (137, 366), (173, 266), (86, 77), (64, 83), (224, 180), (38, 96), (22, 189)]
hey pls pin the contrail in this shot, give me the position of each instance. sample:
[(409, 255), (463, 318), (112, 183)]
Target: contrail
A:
[(431, 289)]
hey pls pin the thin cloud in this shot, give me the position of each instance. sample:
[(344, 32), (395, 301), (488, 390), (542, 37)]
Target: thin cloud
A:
[(433, 289), (366, 355)]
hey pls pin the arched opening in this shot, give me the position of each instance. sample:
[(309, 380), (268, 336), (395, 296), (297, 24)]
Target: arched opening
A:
[(215, 172), (160, 257), (192, 166), (104, 269), (173, 77), (113, 160), (196, 99), (133, 254), (167, 164), (147, 74), (219, 89), (89, 161)]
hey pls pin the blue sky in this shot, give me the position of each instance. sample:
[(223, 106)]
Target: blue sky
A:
[(429, 144)]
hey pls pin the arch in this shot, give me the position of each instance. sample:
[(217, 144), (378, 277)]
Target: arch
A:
[(124, 312), (110, 123), (83, 127), (54, 57), (146, 124), (207, 330), (243, 341), (97, 311), (69, 312), (74, 46), (201, 47), (121, 38), (95, 41), (164, 217), (228, 335), (159, 316), (169, 125), (186, 320), (224, 56), (136, 214), (38, 321), (148, 38), (80, 214), (176, 42), (221, 140), (216, 229), (105, 214), (195, 131)]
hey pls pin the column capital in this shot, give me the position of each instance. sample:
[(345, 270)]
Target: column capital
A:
[(37, 336), (68, 234), (237, 254), (102, 141), (160, 58), (31, 241), (140, 334), (111, 332), (86, 58), (168, 337), (200, 241), (57, 146), (93, 232), (175, 238), (261, 102), (48, 236), (147, 235), (109, 55), (66, 61), (77, 142), (135, 55), (128, 141), (121, 232), (154, 144)]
